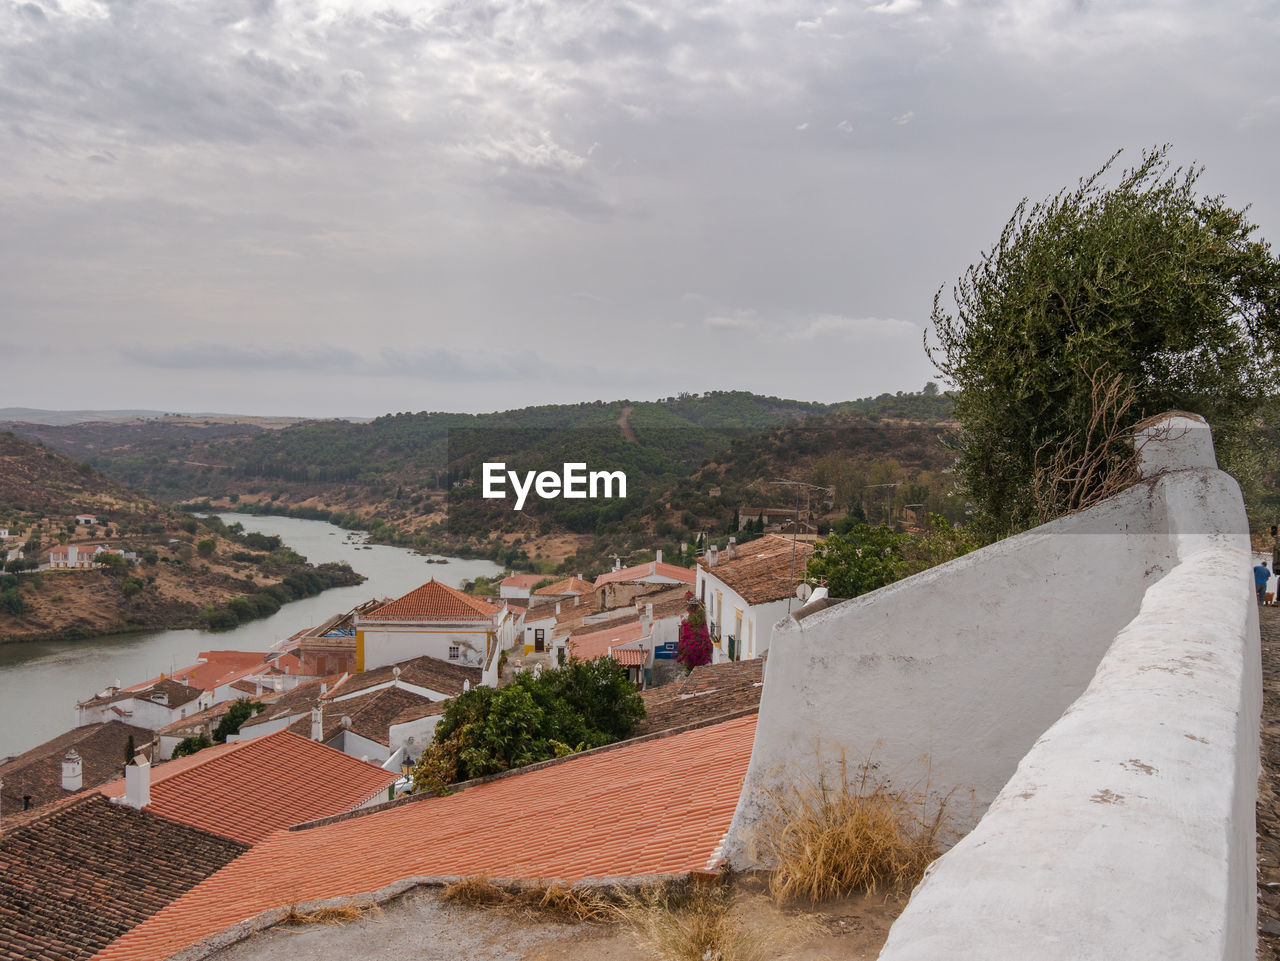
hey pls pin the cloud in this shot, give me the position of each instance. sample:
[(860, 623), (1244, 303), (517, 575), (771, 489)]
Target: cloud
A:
[(736, 320), (833, 326)]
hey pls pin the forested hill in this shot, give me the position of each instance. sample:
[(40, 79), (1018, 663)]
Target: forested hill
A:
[(414, 477)]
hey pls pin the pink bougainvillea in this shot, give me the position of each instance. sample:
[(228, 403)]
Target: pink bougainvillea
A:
[(694, 647)]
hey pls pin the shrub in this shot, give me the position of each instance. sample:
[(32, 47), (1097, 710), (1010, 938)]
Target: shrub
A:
[(190, 745), (207, 546), (826, 840), (693, 648)]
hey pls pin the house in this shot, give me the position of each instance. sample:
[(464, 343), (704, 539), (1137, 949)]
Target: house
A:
[(538, 627), (427, 677), (153, 706), (360, 726), (438, 621), (331, 647), (659, 806), (629, 644), (247, 790), (518, 585), (769, 516), (86, 518), (39, 776), (83, 872), (707, 693), (73, 557), (570, 587), (286, 709), (623, 585), (4, 533), (746, 590)]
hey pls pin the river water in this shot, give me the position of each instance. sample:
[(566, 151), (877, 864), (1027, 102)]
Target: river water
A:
[(40, 683)]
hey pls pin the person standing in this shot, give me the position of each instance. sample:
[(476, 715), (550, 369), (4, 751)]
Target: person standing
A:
[(1261, 575)]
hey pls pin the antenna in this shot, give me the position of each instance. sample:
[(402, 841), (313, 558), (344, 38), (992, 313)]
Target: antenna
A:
[(795, 520)]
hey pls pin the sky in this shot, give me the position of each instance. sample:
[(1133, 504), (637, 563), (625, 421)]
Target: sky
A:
[(351, 208)]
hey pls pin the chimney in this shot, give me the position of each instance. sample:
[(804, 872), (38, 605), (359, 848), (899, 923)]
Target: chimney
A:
[(658, 556), (557, 607), (317, 723), (712, 553), (731, 549), (646, 620), (617, 562), (72, 771), (137, 783)]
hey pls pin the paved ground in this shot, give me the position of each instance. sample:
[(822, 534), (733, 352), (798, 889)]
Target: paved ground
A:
[(422, 927), (1269, 791)]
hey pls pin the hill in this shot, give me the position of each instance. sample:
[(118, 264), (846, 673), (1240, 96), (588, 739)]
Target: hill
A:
[(161, 568), (414, 478)]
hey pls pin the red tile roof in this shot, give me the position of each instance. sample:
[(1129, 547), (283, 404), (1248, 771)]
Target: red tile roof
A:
[(652, 569), (570, 585), (433, 601), (630, 656), (587, 647), (521, 580), (653, 807), (86, 871), (763, 570), (248, 789), (37, 773), (219, 667)]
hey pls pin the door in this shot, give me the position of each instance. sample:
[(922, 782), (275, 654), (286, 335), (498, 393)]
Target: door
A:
[(539, 640)]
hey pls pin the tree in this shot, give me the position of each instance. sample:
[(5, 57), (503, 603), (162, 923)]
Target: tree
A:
[(1165, 296), (486, 730), (192, 744), (236, 715), (858, 561), (207, 546)]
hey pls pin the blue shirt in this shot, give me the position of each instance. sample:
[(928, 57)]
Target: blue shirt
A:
[(1261, 575)]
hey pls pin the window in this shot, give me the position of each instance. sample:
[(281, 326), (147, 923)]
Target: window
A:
[(455, 652)]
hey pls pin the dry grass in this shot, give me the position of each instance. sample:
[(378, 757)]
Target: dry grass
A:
[(704, 922), (341, 914), (828, 839), (561, 902)]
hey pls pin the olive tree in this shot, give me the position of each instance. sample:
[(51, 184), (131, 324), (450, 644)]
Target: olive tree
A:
[(1098, 307)]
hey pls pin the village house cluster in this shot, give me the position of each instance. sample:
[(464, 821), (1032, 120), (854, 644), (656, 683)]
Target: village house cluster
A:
[(341, 712)]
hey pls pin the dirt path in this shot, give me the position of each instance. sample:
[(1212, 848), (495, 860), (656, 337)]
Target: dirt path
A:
[(1269, 791), (627, 432)]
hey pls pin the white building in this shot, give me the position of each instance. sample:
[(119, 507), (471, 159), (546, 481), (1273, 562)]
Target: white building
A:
[(746, 589)]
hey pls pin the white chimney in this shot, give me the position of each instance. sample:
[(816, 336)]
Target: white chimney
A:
[(324, 688), (646, 620), (137, 783), (72, 771), (712, 553), (466, 685), (317, 723), (658, 557), (731, 549)]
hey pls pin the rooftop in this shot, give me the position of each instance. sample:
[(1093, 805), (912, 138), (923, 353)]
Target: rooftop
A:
[(433, 601), (245, 790), (763, 570), (705, 693), (431, 673), (371, 713), (570, 585), (77, 878), (589, 646), (653, 807), (175, 694), (216, 668), (641, 571), (521, 580), (37, 773)]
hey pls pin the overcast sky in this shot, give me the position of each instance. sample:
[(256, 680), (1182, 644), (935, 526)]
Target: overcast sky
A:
[(349, 208)]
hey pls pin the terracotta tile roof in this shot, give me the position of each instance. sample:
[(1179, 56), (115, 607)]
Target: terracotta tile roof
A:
[(652, 569), (433, 601), (587, 647), (300, 700), (705, 693), (208, 719), (78, 878), (521, 580), (427, 672), (418, 712), (763, 569), (371, 714), (630, 656), (654, 807), (175, 693), (37, 773), (219, 667), (570, 585), (248, 789)]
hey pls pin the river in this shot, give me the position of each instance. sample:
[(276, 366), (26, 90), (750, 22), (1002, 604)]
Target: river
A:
[(41, 682)]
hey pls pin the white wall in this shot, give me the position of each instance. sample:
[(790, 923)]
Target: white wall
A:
[(388, 646), (1096, 683)]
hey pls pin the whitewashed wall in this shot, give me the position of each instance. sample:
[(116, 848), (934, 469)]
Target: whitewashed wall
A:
[(1096, 684)]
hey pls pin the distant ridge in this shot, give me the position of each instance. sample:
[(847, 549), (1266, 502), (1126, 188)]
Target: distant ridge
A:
[(63, 418)]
